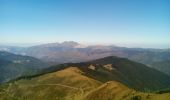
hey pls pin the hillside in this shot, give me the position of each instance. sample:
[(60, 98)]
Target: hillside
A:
[(65, 84), (163, 66), (71, 84), (130, 73), (133, 74), (116, 91), (13, 66)]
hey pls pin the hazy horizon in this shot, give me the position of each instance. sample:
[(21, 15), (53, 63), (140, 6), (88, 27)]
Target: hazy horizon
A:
[(131, 23), (162, 46)]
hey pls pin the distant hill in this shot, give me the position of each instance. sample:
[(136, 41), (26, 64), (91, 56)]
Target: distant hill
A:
[(13, 66)]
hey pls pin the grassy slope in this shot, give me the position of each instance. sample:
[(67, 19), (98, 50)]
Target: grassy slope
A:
[(116, 91), (79, 82), (71, 84), (65, 84)]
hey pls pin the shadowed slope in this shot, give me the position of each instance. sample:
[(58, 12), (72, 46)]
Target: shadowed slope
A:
[(163, 66), (134, 75), (13, 66)]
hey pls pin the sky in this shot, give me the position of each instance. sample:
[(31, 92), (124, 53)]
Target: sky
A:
[(138, 23)]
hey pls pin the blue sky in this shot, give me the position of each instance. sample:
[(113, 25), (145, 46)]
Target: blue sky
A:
[(141, 23)]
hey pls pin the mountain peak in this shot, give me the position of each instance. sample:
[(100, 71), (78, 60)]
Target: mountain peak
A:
[(69, 43)]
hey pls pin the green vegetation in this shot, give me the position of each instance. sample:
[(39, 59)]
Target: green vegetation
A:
[(122, 80), (13, 66), (71, 84), (132, 74), (68, 83)]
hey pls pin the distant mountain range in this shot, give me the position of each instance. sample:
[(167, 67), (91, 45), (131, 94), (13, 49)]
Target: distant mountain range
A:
[(109, 78), (13, 66), (70, 51)]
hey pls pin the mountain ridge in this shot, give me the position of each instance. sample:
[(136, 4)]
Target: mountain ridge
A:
[(72, 84), (72, 52), (132, 74)]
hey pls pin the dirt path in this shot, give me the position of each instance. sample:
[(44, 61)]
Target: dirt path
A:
[(60, 85), (80, 89)]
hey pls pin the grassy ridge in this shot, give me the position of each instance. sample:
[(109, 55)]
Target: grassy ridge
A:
[(68, 83), (110, 78), (71, 84)]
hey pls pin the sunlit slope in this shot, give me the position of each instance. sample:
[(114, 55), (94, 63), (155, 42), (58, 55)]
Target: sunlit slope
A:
[(66, 84), (109, 78), (72, 84), (107, 91), (116, 91)]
